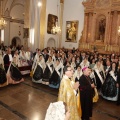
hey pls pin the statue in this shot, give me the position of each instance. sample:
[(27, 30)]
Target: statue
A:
[(102, 29)]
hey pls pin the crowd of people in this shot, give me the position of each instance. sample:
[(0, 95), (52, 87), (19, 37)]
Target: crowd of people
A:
[(77, 74)]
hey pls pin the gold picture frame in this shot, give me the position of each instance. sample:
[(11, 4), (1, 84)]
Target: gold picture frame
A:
[(71, 31), (25, 32), (51, 23)]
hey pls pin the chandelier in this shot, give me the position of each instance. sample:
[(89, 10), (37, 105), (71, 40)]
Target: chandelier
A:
[(56, 29), (3, 23)]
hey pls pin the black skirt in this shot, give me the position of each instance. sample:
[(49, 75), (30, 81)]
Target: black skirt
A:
[(109, 88), (47, 74), (38, 74), (15, 73), (3, 78)]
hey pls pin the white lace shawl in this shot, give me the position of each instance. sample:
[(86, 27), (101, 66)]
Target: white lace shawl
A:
[(55, 111)]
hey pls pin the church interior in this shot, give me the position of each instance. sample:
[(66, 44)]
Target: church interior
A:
[(66, 32)]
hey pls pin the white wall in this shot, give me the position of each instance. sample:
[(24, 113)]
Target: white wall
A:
[(51, 8), (14, 31), (73, 10), (16, 10)]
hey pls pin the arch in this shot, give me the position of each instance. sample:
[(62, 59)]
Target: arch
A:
[(15, 41), (51, 42), (19, 13)]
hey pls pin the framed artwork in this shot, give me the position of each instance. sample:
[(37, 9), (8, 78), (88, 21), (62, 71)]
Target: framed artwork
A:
[(25, 32), (71, 31), (51, 23)]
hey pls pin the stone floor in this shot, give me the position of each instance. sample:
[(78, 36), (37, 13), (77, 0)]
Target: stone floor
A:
[(29, 101)]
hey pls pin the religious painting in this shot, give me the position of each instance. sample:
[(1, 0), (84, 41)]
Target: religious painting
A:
[(25, 32), (71, 31), (51, 23), (100, 28)]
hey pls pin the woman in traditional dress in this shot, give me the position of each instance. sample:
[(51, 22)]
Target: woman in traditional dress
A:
[(92, 63), (63, 59), (77, 61), (85, 63), (118, 85), (78, 73), (3, 79), (73, 63), (17, 57), (57, 111), (99, 74), (14, 75), (48, 71), (23, 59), (56, 75), (109, 88), (38, 71)]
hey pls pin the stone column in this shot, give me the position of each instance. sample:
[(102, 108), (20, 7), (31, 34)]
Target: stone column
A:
[(89, 32), (85, 28), (93, 28), (108, 29), (61, 22), (114, 28), (42, 24)]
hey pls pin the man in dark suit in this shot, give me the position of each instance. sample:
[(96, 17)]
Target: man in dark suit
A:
[(86, 93)]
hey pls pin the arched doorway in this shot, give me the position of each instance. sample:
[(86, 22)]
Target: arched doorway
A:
[(51, 42), (16, 41)]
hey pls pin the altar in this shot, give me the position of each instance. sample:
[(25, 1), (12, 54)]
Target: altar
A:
[(101, 24)]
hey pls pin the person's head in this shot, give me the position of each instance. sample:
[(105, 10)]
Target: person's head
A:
[(68, 63), (79, 68), (98, 63), (68, 71), (38, 51), (86, 71), (108, 63), (57, 110), (16, 52), (28, 49), (9, 50), (113, 65), (50, 59), (93, 60)]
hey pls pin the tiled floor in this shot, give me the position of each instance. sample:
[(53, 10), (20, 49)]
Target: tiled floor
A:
[(29, 101)]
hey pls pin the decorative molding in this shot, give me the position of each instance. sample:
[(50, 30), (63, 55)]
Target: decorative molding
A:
[(17, 20), (108, 10)]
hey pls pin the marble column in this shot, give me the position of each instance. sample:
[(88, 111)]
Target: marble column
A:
[(34, 24), (26, 21)]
